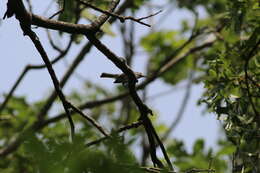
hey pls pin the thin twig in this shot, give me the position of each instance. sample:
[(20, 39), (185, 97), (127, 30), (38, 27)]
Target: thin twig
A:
[(29, 5), (167, 92), (122, 129), (195, 33), (181, 110), (71, 27), (250, 54), (151, 15), (166, 14), (160, 143), (54, 46), (60, 11), (254, 82), (9, 95), (200, 170), (158, 170), (32, 67), (91, 120), (210, 164), (121, 18)]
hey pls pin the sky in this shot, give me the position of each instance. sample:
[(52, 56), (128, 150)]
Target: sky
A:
[(17, 51)]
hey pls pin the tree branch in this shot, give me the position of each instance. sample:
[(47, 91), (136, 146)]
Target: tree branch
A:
[(55, 80), (92, 104), (122, 129), (143, 109), (91, 120), (70, 27), (247, 58), (33, 67), (14, 144), (121, 18), (181, 110), (158, 170)]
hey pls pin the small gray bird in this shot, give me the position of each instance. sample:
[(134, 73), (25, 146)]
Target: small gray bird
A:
[(121, 78)]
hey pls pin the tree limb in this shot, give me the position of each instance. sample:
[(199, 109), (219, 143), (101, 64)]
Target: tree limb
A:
[(143, 109)]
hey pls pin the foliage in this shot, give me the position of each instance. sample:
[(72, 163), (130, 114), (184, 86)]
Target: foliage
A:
[(200, 157), (162, 44), (233, 84), (54, 155)]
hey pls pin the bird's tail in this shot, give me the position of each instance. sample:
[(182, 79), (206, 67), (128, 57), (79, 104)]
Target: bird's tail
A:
[(108, 75)]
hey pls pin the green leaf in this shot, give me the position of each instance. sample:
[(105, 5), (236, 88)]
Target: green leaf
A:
[(198, 146), (68, 15)]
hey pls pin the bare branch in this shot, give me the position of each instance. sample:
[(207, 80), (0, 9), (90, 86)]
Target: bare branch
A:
[(33, 67), (143, 109), (54, 46), (181, 110), (12, 146), (9, 95), (60, 11), (91, 120), (122, 129), (247, 58), (158, 170), (121, 18), (30, 5), (55, 80), (70, 27)]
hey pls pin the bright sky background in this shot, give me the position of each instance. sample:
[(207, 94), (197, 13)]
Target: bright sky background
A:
[(18, 51)]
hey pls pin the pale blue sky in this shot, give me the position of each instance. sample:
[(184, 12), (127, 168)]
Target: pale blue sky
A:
[(17, 51)]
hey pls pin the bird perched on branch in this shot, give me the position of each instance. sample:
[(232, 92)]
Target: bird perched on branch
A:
[(121, 78)]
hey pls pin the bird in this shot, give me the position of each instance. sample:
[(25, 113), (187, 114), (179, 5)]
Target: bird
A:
[(121, 78)]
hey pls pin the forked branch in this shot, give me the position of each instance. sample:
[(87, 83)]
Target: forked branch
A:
[(120, 17)]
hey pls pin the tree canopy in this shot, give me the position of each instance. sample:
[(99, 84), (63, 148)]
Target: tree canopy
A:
[(218, 47)]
